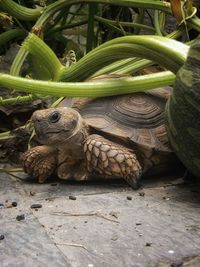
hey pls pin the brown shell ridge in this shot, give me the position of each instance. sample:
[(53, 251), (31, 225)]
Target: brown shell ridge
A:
[(138, 118)]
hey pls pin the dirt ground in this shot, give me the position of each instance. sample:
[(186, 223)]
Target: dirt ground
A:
[(99, 224)]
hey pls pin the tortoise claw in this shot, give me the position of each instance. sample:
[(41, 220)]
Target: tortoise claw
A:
[(39, 162)]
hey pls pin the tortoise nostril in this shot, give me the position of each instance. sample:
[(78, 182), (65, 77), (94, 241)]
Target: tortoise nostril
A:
[(36, 119)]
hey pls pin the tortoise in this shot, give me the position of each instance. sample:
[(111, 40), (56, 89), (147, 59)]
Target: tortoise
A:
[(120, 136), (183, 112)]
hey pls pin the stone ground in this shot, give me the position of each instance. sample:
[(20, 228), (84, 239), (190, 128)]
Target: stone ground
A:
[(107, 224)]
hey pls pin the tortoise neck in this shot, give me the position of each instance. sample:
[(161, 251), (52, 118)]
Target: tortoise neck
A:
[(76, 141)]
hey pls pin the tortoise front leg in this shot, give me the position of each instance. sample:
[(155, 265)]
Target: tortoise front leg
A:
[(111, 159), (39, 162)]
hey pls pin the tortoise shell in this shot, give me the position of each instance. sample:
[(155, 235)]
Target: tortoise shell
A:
[(137, 118)]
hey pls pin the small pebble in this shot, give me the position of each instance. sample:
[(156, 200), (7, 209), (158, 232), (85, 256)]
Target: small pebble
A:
[(148, 244), (32, 193), (138, 224), (142, 194), (72, 197), (114, 214), (36, 206), (20, 217), (8, 206), (129, 197), (50, 199), (2, 237), (14, 204), (177, 264), (114, 238), (166, 198), (54, 184), (1, 205)]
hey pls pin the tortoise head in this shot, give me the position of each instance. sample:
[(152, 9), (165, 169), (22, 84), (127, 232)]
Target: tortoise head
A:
[(54, 126)]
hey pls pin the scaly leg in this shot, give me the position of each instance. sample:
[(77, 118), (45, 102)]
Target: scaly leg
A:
[(111, 159), (39, 162)]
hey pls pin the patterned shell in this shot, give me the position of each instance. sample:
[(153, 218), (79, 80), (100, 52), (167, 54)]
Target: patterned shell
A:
[(137, 117)]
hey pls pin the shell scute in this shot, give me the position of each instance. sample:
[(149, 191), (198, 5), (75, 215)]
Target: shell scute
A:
[(137, 118)]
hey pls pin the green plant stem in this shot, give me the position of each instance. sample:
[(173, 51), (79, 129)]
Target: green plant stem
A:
[(58, 5), (139, 18), (6, 135), (124, 66), (19, 11), (88, 65), (177, 33), (18, 61), (90, 29), (10, 34), (113, 26), (124, 24), (169, 53), (194, 23), (17, 100), (44, 55), (66, 26), (132, 68), (117, 65), (157, 22), (89, 88)]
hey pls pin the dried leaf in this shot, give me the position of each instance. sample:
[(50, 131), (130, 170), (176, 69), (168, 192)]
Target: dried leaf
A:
[(182, 10)]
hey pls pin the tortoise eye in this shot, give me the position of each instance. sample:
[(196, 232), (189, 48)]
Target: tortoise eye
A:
[(54, 117)]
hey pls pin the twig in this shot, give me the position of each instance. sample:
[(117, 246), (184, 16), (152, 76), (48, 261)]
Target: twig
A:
[(10, 172), (72, 245), (92, 213)]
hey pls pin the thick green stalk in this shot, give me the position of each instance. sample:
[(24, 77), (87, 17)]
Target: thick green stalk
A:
[(17, 100), (51, 9), (90, 28), (133, 68), (169, 53), (19, 11), (10, 34), (42, 52), (124, 66), (139, 18), (18, 61), (89, 88), (157, 23), (177, 33), (194, 23), (38, 70), (117, 65), (88, 65)]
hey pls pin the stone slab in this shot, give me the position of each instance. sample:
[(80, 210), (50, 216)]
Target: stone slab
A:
[(158, 224)]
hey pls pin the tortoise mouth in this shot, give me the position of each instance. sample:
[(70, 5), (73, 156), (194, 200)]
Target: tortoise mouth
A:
[(51, 137)]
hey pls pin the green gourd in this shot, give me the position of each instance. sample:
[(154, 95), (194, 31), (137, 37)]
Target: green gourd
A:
[(183, 112)]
